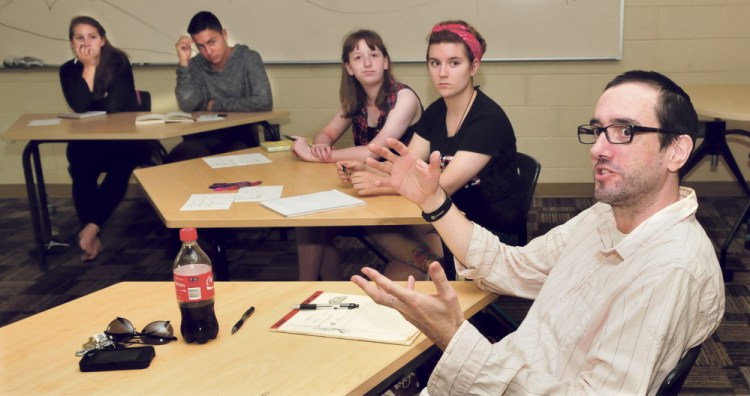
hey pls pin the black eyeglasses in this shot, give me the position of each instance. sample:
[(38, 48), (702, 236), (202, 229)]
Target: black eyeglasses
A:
[(121, 330), (616, 133)]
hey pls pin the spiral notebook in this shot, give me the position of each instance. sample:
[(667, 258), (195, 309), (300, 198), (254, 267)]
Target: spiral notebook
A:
[(312, 203)]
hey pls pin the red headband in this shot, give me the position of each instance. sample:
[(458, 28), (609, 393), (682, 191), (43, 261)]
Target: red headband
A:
[(463, 32)]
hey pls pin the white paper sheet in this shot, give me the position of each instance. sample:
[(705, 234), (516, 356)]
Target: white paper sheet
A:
[(209, 117), (50, 121), (208, 202), (312, 203), (236, 160), (258, 193)]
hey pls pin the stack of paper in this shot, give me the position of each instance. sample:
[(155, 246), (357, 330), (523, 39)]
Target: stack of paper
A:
[(283, 145), (312, 203)]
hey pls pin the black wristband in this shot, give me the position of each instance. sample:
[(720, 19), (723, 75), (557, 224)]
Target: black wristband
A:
[(439, 212)]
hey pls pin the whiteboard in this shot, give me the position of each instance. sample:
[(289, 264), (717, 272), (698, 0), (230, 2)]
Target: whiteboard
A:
[(311, 31)]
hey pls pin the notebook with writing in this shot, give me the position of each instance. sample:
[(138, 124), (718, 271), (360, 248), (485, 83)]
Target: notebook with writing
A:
[(368, 322)]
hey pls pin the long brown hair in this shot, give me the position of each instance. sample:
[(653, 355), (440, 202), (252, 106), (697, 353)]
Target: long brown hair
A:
[(351, 94), (110, 58)]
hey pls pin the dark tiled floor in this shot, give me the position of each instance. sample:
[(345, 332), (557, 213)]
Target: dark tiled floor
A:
[(139, 248)]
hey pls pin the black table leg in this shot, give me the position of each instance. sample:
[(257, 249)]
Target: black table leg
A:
[(729, 274), (37, 196), (31, 153), (220, 259), (715, 144)]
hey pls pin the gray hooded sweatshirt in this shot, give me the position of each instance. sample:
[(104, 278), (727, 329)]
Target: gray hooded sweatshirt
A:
[(242, 85)]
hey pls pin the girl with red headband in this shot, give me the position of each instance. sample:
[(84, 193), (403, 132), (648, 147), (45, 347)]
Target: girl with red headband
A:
[(376, 107), (472, 133)]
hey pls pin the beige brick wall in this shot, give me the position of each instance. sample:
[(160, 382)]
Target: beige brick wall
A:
[(692, 41)]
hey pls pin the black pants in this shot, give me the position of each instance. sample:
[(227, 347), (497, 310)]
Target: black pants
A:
[(88, 159), (214, 142)]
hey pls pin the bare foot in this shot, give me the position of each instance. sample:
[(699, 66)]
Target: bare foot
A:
[(88, 240)]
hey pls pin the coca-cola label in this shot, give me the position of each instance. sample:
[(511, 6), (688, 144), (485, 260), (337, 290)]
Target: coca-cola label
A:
[(194, 282)]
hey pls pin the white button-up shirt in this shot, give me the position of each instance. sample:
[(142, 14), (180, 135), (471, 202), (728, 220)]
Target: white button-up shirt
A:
[(607, 318)]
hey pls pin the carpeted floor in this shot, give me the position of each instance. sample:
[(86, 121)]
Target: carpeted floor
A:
[(139, 248)]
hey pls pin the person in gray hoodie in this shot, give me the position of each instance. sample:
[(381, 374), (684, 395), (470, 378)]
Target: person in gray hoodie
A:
[(219, 79)]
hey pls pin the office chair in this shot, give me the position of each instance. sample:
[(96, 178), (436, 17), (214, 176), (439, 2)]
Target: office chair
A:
[(528, 169), (528, 174), (271, 132), (674, 380), (144, 100)]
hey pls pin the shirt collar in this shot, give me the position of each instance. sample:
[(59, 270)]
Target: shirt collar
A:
[(659, 222)]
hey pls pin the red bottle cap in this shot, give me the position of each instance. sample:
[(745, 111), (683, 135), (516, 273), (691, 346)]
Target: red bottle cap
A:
[(188, 234)]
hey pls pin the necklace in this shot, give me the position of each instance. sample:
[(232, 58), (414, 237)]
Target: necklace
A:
[(466, 110)]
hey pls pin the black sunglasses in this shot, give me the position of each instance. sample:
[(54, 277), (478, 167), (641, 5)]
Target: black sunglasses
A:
[(122, 331)]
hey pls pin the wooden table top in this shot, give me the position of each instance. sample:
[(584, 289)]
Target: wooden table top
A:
[(169, 187), (724, 101), (37, 353), (121, 126)]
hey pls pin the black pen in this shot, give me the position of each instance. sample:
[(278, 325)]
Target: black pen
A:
[(306, 307), (289, 137), (243, 319)]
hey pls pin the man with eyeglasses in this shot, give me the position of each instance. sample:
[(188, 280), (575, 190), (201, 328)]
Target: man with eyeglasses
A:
[(621, 291)]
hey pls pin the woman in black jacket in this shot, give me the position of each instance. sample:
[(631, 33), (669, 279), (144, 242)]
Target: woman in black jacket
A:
[(98, 78)]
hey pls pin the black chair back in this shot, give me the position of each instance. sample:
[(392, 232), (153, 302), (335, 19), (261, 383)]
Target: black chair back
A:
[(674, 380), (528, 174), (144, 100)]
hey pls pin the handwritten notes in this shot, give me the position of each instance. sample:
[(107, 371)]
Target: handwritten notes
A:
[(208, 202), (236, 160), (258, 193), (224, 201)]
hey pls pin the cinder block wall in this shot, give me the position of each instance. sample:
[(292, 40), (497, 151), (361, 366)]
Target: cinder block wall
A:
[(692, 41)]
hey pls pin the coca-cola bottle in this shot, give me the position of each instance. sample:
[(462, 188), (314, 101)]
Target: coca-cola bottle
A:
[(194, 283)]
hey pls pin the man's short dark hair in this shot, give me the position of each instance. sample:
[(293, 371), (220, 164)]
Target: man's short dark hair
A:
[(675, 111), (202, 21)]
